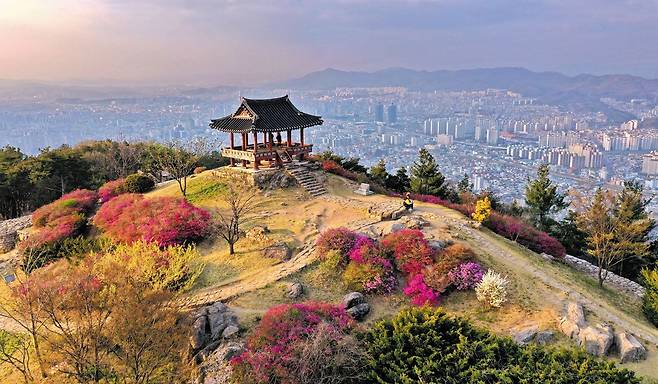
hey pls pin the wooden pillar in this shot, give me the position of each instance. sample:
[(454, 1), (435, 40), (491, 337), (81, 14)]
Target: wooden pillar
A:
[(289, 138), (232, 138), (245, 141), (301, 136), (270, 140), (255, 150)]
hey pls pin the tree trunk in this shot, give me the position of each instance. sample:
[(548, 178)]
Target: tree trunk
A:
[(231, 250), (600, 276)]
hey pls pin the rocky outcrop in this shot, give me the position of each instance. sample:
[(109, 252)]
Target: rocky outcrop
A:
[(210, 326), (355, 304), (613, 280), (531, 333), (629, 348), (268, 179), (259, 234), (573, 320), (217, 367), (9, 232)]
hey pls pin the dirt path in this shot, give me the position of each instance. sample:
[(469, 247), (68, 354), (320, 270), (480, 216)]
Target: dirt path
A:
[(514, 259), (261, 278)]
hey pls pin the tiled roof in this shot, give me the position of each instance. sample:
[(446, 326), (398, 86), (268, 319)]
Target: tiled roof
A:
[(265, 115)]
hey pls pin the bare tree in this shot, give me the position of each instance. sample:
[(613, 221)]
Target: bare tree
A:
[(15, 350), (126, 158), (179, 159), (239, 197)]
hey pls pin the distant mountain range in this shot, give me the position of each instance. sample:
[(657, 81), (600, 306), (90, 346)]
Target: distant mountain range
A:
[(582, 92)]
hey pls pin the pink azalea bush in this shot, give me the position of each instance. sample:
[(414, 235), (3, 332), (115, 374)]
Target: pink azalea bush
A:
[(336, 239), (419, 292), (111, 189), (369, 268), (272, 352), (466, 275), (164, 220), (79, 201)]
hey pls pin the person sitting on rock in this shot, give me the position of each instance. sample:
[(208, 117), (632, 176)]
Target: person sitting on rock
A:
[(407, 202)]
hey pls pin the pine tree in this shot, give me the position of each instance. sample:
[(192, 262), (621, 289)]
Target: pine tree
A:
[(378, 172), (426, 178), (568, 233), (542, 199), (465, 185), (403, 182)]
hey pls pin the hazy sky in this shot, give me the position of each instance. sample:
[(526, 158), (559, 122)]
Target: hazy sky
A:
[(243, 42)]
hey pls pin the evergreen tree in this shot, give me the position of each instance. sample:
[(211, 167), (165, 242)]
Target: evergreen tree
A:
[(465, 185), (543, 199), (398, 182), (426, 178), (568, 233), (378, 172), (633, 225)]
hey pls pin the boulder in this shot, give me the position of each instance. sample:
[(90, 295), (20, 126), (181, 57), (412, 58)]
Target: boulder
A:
[(230, 331), (352, 299), (629, 348), (544, 337), (569, 328), (414, 222), (295, 290), (525, 335), (279, 251), (199, 338), (359, 311), (596, 340)]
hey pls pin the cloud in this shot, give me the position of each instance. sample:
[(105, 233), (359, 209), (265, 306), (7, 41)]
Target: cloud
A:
[(231, 41)]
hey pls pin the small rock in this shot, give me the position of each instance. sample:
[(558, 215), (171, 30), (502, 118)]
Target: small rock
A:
[(438, 244), (199, 338), (544, 337), (295, 290), (359, 311), (629, 348), (397, 227), (279, 251), (352, 299), (526, 335), (230, 331), (596, 340)]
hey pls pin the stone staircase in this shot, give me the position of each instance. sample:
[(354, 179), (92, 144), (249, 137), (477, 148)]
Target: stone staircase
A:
[(306, 179)]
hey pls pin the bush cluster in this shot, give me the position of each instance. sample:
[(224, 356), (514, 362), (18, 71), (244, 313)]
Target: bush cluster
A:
[(507, 226), (428, 346), (650, 298), (111, 189), (301, 343), (492, 289), (466, 275), (163, 220), (53, 223), (138, 183)]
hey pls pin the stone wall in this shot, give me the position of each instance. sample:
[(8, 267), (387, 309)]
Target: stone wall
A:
[(9, 232), (613, 280)]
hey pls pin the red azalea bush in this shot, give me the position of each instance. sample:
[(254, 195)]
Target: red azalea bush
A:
[(164, 220), (335, 168), (524, 234), (420, 293), (272, 351), (111, 189), (411, 250), (436, 275), (336, 239)]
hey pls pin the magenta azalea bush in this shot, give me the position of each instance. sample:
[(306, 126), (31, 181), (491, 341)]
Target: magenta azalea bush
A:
[(369, 268), (272, 351), (111, 189), (419, 292), (336, 239), (466, 275)]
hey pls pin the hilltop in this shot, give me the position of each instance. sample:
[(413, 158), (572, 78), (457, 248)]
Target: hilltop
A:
[(278, 253)]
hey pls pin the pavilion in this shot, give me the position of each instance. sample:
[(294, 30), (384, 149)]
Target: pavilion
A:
[(270, 117)]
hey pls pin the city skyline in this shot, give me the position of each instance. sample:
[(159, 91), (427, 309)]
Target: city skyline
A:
[(251, 43)]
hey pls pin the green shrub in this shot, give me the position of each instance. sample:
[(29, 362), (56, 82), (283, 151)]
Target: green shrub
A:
[(650, 299), (425, 345), (137, 183)]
